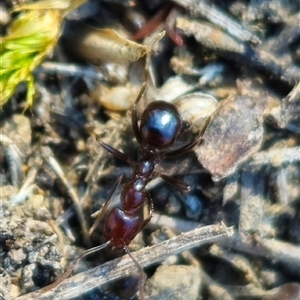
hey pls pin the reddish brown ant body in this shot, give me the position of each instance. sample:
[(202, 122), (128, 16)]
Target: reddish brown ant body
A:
[(160, 125), (159, 128)]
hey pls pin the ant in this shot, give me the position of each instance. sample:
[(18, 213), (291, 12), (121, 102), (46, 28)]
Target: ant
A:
[(160, 125)]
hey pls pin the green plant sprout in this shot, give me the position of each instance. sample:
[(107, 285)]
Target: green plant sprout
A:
[(32, 35)]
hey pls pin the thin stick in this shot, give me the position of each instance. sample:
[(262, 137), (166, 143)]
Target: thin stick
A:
[(83, 282), (276, 157), (69, 70), (13, 157), (216, 16), (49, 158)]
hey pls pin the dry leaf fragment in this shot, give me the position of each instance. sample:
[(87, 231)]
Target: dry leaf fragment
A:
[(102, 45), (116, 98), (196, 108), (209, 35), (235, 133)]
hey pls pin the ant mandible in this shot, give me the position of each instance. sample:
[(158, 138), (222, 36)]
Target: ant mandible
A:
[(160, 125)]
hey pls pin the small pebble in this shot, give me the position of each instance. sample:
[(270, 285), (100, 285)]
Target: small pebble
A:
[(174, 282)]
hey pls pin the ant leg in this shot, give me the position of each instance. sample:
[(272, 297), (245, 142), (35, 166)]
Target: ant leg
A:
[(150, 210), (183, 149), (190, 145), (72, 267), (179, 184), (105, 206), (134, 120), (116, 153), (140, 270)]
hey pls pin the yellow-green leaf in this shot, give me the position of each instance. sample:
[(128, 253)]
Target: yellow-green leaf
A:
[(32, 35)]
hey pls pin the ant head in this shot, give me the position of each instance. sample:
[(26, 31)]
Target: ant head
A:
[(160, 124)]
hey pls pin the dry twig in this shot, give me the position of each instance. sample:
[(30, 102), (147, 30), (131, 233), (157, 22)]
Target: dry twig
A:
[(117, 268), (49, 158)]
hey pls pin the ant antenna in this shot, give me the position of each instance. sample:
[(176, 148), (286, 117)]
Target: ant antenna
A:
[(134, 120), (105, 206)]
